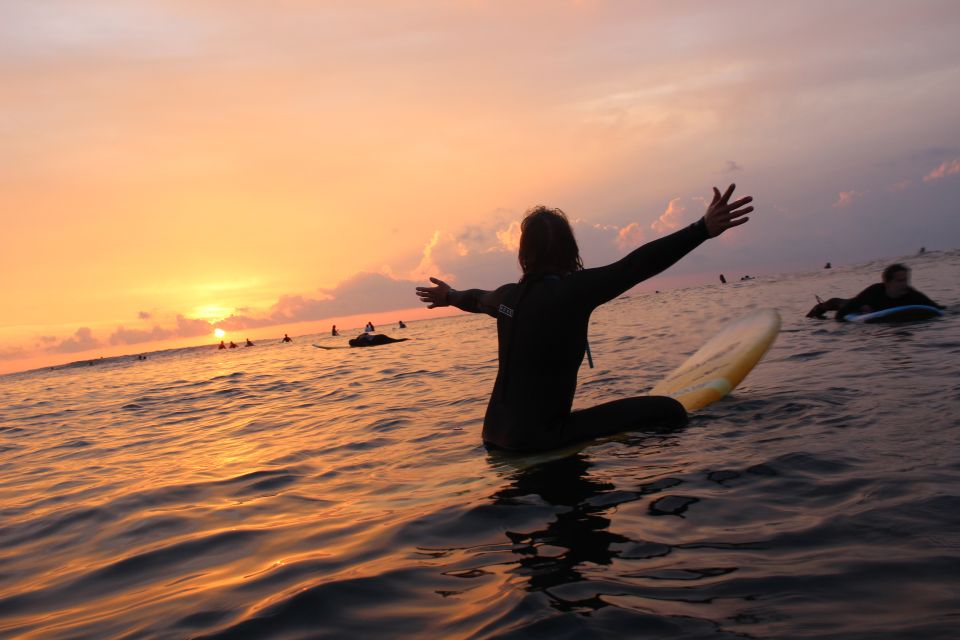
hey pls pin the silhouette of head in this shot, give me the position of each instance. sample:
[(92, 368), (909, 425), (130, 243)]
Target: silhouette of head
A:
[(896, 280), (547, 245)]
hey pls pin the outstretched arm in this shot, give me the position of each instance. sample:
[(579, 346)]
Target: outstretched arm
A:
[(472, 300), (859, 303), (606, 283)]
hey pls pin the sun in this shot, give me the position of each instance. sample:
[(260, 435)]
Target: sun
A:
[(219, 333)]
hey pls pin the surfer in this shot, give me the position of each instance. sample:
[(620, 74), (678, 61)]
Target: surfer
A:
[(286, 338), (371, 340), (542, 329), (334, 332), (401, 325), (249, 344), (893, 291), (222, 345)]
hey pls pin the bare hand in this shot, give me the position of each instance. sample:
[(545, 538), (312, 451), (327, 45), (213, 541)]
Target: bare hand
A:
[(723, 214), (437, 296)]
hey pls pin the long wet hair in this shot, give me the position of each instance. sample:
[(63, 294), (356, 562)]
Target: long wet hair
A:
[(547, 245)]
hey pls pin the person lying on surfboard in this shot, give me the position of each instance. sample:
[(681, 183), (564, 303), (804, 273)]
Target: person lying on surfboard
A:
[(893, 291), (542, 329), (371, 340)]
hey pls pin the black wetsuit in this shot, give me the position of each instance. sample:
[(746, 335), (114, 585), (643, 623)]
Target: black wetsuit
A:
[(875, 296), (542, 332), (370, 340)]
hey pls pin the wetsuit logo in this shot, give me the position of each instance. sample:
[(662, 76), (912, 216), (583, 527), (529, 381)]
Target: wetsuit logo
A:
[(505, 310)]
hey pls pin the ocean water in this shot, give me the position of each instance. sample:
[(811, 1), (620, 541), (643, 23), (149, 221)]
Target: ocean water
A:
[(288, 492)]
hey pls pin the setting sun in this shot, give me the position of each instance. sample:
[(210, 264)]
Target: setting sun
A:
[(219, 333)]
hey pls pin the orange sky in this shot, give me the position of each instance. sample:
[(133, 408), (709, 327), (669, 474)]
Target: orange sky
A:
[(167, 166)]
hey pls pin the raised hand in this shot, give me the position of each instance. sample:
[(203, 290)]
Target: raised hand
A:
[(437, 296), (723, 214)]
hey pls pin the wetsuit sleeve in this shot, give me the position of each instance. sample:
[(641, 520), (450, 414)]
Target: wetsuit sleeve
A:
[(853, 304), (478, 300), (918, 298), (603, 284)]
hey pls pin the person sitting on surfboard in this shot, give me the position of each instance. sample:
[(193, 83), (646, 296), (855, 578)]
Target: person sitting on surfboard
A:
[(893, 291), (542, 329)]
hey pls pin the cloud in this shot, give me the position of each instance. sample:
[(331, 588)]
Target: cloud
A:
[(12, 353), (136, 336), (630, 237), (947, 168), (185, 328), (82, 340), (846, 198), (364, 292), (475, 256), (670, 219), (510, 237)]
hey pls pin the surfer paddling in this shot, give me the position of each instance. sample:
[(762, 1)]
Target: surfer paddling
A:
[(893, 291), (542, 329)]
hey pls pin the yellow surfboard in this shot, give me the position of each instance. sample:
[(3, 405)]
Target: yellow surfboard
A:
[(723, 362)]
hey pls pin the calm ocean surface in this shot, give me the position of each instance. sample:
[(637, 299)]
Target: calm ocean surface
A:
[(287, 492)]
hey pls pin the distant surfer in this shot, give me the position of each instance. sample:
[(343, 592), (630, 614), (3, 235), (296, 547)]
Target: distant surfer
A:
[(893, 291), (371, 340), (401, 325), (233, 345), (222, 345), (828, 266), (334, 331), (722, 279), (369, 328), (542, 329), (286, 338), (249, 344)]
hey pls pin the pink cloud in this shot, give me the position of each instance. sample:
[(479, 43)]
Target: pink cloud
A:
[(136, 336), (947, 168), (185, 328), (12, 353), (82, 340), (510, 237), (364, 292), (670, 219), (630, 237), (846, 198)]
